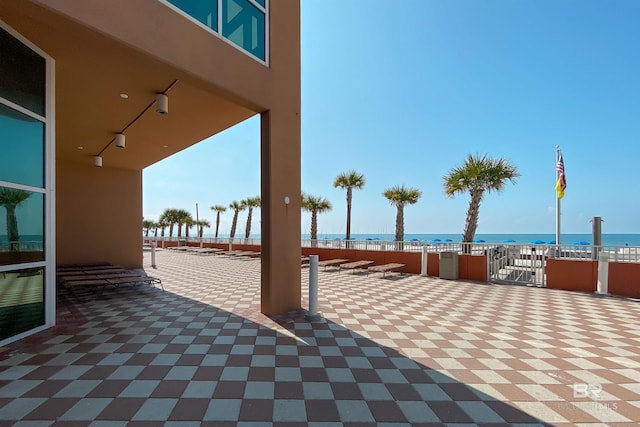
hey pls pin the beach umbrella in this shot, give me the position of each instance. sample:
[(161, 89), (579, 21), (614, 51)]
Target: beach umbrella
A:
[(508, 241), (551, 242), (580, 242), (414, 240), (369, 238), (447, 240), (436, 240), (537, 242), (478, 241)]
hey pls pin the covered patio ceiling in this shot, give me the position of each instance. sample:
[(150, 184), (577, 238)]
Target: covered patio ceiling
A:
[(91, 73)]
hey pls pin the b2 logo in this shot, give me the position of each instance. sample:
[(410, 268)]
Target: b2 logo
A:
[(586, 391)]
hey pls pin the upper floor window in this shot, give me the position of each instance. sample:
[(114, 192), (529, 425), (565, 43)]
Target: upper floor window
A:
[(242, 22)]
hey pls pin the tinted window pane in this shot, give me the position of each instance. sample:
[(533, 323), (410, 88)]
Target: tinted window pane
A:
[(261, 2), (21, 301), (22, 74), (244, 25), (21, 226), (205, 11), (22, 148)]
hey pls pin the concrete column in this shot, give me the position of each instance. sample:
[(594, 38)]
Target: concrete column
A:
[(603, 273), (423, 271)]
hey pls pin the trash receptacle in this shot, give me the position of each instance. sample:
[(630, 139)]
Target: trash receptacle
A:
[(182, 242), (449, 265)]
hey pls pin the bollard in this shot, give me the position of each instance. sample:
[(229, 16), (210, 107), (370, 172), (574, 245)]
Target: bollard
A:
[(312, 314), (423, 272), (153, 254), (603, 273)]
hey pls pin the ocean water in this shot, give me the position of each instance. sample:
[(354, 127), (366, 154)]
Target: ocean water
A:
[(607, 239)]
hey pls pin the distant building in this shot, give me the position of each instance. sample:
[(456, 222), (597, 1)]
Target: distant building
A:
[(73, 74)]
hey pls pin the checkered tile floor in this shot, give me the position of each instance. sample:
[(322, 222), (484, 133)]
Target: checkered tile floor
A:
[(399, 350)]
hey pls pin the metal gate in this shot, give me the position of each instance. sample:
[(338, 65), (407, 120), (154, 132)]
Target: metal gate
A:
[(520, 264)]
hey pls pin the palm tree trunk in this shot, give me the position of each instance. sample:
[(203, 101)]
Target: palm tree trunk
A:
[(217, 224), (171, 230), (400, 227), (314, 228), (247, 231), (471, 222), (348, 237), (233, 225), (179, 230), (12, 228), (201, 231)]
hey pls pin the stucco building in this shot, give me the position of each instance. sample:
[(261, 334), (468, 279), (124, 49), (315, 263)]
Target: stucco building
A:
[(166, 74)]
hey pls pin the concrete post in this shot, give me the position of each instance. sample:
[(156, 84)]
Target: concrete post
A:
[(603, 273), (423, 272), (153, 253), (312, 314)]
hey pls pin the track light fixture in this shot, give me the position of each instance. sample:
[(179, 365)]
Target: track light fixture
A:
[(162, 103), (97, 160), (120, 140)]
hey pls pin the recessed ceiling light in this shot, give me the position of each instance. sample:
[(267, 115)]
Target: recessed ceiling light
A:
[(124, 95), (165, 146), (80, 147)]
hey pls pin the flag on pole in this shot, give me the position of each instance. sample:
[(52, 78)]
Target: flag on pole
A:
[(561, 184)]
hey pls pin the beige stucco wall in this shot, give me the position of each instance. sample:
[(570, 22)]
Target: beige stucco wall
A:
[(98, 215)]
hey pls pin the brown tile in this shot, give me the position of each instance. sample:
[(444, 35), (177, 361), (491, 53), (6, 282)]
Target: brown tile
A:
[(314, 375), (207, 373), (381, 363), (98, 373), (259, 373), (459, 392), (239, 360), (109, 388), (321, 410), (220, 349), (132, 348), (288, 390), (189, 409), (39, 359), (403, 391), (366, 375), (509, 413), (386, 411), (121, 409), (229, 390), (346, 391), (169, 388), (51, 409), (42, 373), (287, 361), (334, 362), (153, 372), (449, 412), (190, 360), (140, 359), (47, 388), (256, 410)]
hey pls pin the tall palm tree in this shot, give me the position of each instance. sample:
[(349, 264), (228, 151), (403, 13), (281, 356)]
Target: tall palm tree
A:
[(399, 196), (315, 205), (201, 225), (218, 209), (478, 174), (11, 198), (171, 217), (348, 181), (188, 223), (147, 225), (250, 203), (162, 224), (182, 217), (236, 207)]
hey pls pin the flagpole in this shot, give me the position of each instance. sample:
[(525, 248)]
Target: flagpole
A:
[(557, 198)]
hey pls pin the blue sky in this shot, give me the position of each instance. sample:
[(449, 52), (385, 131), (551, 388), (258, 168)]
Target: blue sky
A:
[(403, 91)]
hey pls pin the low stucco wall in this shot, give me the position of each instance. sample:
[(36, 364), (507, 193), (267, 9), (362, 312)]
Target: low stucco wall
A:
[(572, 275), (624, 279)]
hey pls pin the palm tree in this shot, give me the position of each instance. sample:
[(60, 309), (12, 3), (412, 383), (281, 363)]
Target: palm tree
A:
[(218, 209), (348, 181), (315, 205), (477, 174), (170, 217), (162, 224), (11, 199), (188, 223), (147, 225), (201, 225), (237, 207), (399, 196), (182, 217), (250, 203)]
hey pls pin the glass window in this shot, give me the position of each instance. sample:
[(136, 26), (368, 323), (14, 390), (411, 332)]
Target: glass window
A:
[(261, 2), (21, 226), (21, 301), (22, 74), (244, 25), (205, 11), (22, 148)]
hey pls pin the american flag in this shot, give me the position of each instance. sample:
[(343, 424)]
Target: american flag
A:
[(561, 184)]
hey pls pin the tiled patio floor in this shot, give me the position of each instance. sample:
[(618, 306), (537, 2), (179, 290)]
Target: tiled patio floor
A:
[(393, 351)]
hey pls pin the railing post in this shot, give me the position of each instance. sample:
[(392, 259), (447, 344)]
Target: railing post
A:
[(153, 254), (312, 315), (603, 273), (423, 273)]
